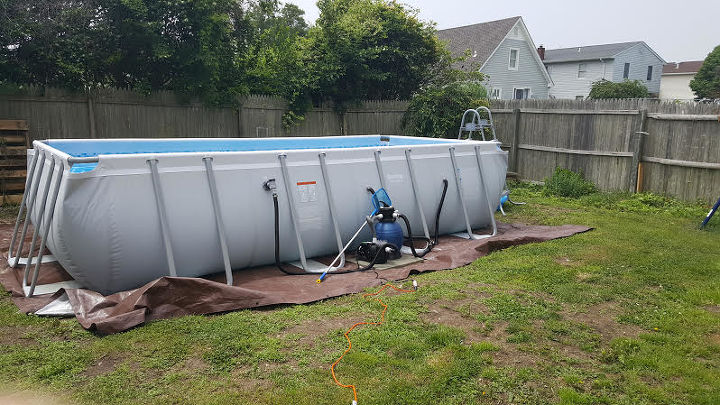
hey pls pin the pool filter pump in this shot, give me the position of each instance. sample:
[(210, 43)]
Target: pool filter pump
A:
[(387, 237)]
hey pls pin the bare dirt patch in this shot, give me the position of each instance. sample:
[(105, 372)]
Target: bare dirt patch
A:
[(308, 332), (105, 365), (712, 308), (601, 319)]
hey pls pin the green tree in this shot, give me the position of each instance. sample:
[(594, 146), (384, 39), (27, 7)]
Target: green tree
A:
[(706, 83), (604, 89), (369, 49), (191, 47)]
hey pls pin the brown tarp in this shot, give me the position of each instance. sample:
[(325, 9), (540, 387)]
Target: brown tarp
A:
[(176, 296)]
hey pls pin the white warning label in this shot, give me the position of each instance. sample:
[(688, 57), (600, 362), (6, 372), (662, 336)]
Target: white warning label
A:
[(307, 191)]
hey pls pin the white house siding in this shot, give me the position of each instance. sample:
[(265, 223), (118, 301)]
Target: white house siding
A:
[(639, 57), (529, 73), (676, 87), (569, 85)]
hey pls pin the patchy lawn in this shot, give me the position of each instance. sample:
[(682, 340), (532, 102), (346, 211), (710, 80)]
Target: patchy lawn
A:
[(626, 314)]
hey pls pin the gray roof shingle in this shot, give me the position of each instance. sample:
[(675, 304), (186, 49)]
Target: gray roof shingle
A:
[(591, 52), (481, 39), (682, 67)]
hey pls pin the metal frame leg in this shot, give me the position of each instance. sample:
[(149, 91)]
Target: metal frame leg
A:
[(381, 174), (453, 160), (218, 219), (46, 230), (160, 202), (30, 204), (293, 209), (331, 206), (41, 216), (413, 182), (28, 183), (491, 209)]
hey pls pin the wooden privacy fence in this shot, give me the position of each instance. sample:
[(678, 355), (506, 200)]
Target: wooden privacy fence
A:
[(632, 145), (116, 113)]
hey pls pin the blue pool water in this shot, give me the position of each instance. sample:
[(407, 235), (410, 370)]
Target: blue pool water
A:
[(92, 148)]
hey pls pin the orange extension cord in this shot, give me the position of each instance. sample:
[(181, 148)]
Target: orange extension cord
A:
[(382, 319)]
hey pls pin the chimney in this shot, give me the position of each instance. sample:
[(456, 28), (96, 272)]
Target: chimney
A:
[(541, 52)]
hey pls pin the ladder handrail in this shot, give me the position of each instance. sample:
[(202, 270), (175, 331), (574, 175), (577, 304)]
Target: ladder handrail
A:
[(26, 191), (490, 121)]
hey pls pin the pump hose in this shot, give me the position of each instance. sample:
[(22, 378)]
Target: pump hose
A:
[(372, 263), (430, 242), (277, 238), (439, 210)]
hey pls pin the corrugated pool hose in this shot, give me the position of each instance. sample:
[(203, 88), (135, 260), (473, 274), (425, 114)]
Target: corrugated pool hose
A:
[(382, 319)]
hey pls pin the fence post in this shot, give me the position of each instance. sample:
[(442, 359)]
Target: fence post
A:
[(91, 114), (635, 180), (239, 122), (515, 140)]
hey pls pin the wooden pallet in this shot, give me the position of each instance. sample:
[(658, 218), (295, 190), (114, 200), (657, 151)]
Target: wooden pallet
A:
[(14, 142)]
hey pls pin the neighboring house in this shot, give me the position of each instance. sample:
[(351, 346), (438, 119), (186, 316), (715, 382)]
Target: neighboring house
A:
[(504, 51), (676, 77), (573, 70)]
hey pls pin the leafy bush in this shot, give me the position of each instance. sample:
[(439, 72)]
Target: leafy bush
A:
[(603, 89), (436, 110), (566, 183), (706, 83)]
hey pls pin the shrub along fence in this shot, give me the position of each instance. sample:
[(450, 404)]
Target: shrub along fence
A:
[(632, 145)]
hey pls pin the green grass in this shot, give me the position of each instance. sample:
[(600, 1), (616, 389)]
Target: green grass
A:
[(626, 314)]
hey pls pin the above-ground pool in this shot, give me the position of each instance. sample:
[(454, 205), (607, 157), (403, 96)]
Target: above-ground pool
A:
[(127, 211)]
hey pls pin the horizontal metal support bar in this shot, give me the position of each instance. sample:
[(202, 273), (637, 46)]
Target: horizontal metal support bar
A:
[(92, 159), (575, 151), (684, 117), (681, 163)]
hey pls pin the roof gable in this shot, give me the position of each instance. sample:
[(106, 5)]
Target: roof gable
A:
[(481, 39), (578, 53)]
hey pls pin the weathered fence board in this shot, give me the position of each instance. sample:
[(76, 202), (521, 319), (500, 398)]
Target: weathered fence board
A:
[(680, 155)]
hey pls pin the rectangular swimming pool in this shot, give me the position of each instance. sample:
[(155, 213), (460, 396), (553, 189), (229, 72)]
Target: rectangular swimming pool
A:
[(117, 213)]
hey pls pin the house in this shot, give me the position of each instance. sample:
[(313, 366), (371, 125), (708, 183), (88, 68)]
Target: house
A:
[(504, 51), (573, 70), (676, 77)]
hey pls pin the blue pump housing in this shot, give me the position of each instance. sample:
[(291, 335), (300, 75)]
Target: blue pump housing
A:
[(390, 232)]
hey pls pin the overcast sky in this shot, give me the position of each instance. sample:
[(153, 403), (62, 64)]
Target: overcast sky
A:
[(677, 30)]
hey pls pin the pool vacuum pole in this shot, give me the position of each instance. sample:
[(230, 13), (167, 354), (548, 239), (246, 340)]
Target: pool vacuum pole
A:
[(322, 276), (710, 214)]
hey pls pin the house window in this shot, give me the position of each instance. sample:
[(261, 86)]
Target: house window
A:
[(582, 70), (649, 75), (579, 97), (521, 94), (626, 71), (513, 63), (496, 94)]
